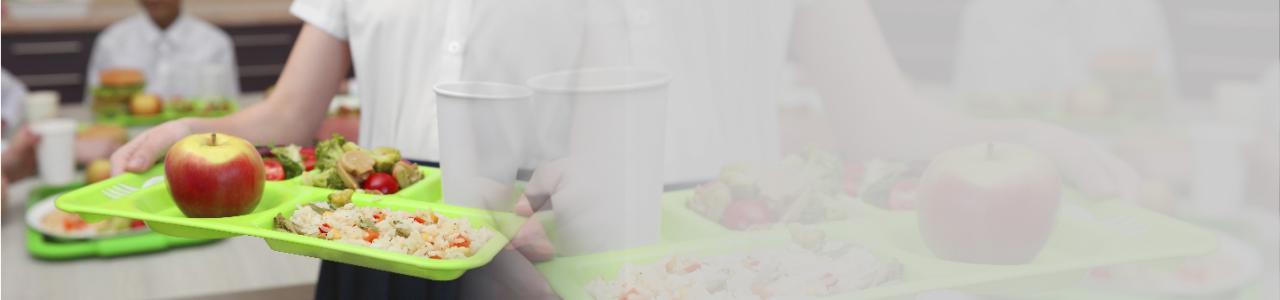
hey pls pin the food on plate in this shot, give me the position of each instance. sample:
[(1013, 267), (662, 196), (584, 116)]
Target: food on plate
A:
[(744, 214), (888, 184), (406, 173), (802, 188), (44, 217), (214, 175), (98, 170), (992, 203), (105, 132), (1232, 266), (285, 162), (808, 267), (217, 106), (145, 105), (308, 155), (382, 182), (115, 87), (340, 164), (272, 169), (69, 224), (180, 105), (340, 198), (421, 233)]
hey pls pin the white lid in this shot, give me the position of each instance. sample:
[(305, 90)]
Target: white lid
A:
[(483, 90), (599, 80), (54, 126)]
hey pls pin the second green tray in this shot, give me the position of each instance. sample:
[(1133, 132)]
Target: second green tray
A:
[(43, 248)]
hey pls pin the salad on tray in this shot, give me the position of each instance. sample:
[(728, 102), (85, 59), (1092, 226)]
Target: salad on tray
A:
[(804, 188), (341, 164)]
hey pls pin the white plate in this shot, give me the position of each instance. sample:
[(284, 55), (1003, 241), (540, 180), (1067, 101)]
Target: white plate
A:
[(45, 207)]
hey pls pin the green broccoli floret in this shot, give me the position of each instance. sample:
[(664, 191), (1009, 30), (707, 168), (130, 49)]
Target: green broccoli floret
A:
[(329, 151), (317, 178), (291, 158), (351, 147)]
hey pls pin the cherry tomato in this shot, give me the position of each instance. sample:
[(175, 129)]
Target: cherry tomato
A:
[(853, 173), (460, 241), (73, 224), (381, 182), (273, 169), (902, 196), (308, 157), (744, 213)]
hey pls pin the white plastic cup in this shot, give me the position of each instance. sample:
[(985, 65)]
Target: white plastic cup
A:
[(481, 143), (41, 105), (55, 154), (610, 127)]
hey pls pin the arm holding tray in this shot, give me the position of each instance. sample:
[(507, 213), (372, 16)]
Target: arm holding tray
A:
[(292, 111)]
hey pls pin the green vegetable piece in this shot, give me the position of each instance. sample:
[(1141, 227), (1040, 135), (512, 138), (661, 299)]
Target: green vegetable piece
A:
[(340, 198), (291, 158), (329, 151), (385, 158), (405, 173), (317, 178), (351, 147)]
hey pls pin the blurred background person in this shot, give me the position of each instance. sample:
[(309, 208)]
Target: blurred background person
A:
[(13, 94), (1046, 58), (177, 53)]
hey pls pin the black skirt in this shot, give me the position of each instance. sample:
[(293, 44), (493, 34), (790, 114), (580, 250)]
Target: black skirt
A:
[(343, 281)]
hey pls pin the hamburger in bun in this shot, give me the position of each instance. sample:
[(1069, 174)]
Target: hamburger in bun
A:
[(115, 87)]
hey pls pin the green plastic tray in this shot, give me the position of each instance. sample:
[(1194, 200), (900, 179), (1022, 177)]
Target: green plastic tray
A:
[(568, 276), (1088, 234), (41, 247), (154, 206), (168, 115)]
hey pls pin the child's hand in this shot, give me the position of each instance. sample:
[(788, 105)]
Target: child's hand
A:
[(20, 155), (1085, 164), (142, 151)]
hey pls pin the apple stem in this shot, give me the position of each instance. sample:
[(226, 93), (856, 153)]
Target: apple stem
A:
[(990, 150), (213, 139)]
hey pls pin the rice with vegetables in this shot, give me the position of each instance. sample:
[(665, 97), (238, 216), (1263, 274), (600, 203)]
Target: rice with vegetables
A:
[(795, 270), (422, 233)]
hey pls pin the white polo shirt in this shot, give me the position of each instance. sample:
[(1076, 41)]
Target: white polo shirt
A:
[(726, 59), (174, 60)]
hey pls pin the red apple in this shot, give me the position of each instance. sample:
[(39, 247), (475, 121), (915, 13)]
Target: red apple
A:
[(991, 203), (214, 175)]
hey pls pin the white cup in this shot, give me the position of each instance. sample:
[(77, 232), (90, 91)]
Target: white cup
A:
[(610, 125), (481, 143), (55, 155), (41, 105)]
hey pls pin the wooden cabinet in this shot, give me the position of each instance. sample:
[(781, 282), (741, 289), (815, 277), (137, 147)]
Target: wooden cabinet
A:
[(261, 52), (50, 61)]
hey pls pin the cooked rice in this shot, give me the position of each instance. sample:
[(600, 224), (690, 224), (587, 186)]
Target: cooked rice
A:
[(421, 233), (788, 272)]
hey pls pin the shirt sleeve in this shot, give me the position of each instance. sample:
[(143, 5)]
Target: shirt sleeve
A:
[(96, 61), (14, 93), (328, 15)]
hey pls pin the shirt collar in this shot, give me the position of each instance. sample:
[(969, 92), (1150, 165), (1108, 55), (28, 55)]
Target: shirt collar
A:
[(153, 32)]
